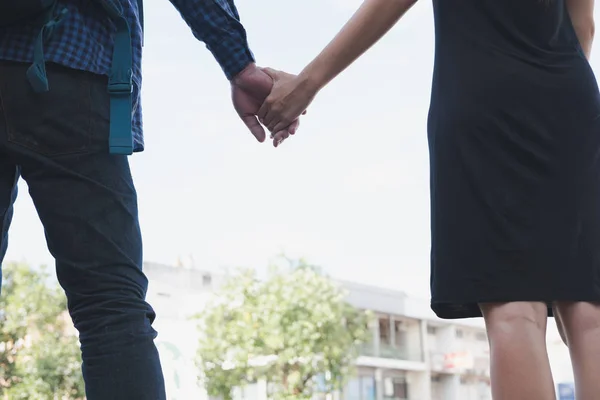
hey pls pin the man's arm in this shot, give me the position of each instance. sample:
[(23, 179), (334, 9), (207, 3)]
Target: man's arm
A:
[(217, 24), (582, 16)]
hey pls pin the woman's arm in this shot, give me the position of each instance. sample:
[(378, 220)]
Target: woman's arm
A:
[(372, 20), (582, 16), (290, 98)]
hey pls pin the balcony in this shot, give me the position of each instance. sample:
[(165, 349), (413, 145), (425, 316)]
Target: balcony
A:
[(463, 363), (391, 352), (367, 349)]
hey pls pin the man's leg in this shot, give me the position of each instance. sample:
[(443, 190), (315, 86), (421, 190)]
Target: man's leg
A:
[(89, 212), (88, 206), (9, 175)]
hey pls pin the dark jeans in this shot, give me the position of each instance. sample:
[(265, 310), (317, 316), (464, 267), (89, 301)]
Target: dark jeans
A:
[(86, 200)]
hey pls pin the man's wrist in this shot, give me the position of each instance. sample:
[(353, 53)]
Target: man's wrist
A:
[(246, 69)]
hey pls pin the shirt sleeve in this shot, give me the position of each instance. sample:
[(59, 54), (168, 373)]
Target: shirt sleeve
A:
[(217, 24)]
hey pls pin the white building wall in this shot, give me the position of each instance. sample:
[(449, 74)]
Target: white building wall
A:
[(437, 390), (176, 294)]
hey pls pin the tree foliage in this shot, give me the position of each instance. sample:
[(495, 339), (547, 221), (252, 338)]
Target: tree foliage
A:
[(293, 329), (39, 358)]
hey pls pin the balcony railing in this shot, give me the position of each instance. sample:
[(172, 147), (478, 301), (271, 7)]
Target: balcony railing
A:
[(391, 352), (367, 349), (477, 366)]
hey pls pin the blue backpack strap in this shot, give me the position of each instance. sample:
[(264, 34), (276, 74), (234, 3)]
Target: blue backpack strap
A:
[(36, 73), (120, 83)]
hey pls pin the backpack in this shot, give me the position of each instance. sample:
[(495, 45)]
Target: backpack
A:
[(45, 14)]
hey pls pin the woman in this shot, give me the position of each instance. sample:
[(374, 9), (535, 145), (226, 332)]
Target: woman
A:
[(514, 139)]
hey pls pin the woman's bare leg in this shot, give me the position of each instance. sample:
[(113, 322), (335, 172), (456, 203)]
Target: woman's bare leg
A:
[(520, 367), (581, 324)]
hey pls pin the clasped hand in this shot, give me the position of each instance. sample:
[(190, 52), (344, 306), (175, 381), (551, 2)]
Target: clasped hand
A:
[(274, 98)]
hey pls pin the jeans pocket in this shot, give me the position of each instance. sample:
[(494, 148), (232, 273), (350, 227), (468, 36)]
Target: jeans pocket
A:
[(54, 123)]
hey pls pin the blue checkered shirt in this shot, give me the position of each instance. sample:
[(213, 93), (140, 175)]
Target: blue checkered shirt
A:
[(84, 40)]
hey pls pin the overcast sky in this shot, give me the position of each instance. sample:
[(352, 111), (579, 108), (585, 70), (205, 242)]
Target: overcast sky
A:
[(350, 192)]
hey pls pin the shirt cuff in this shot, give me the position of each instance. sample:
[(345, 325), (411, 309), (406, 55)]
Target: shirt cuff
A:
[(232, 56)]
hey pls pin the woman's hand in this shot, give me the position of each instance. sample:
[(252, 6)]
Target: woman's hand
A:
[(291, 95), (249, 89), (288, 99)]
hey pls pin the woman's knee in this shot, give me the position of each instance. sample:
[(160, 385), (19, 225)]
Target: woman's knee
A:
[(577, 319), (505, 318)]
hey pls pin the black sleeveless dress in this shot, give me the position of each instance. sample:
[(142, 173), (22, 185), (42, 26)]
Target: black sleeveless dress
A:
[(514, 140)]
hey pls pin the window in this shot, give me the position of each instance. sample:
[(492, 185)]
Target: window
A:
[(400, 334), (384, 330), (352, 391), (431, 330), (367, 386), (361, 388), (459, 333), (481, 336), (206, 280), (395, 388)]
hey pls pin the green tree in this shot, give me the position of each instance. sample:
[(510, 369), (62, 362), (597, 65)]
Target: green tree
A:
[(293, 329), (39, 358)]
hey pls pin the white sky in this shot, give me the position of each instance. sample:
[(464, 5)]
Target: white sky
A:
[(350, 192)]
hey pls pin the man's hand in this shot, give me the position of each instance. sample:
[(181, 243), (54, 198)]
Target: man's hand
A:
[(249, 89)]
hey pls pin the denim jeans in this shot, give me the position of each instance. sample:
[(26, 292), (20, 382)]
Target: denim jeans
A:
[(85, 198)]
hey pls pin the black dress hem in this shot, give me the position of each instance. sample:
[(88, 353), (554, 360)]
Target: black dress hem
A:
[(459, 310)]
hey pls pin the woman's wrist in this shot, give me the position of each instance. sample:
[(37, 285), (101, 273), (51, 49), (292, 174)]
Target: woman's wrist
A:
[(312, 78)]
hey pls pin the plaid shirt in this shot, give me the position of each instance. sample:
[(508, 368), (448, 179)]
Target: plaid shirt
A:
[(84, 40)]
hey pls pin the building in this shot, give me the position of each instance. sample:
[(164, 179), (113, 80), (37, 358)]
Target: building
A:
[(412, 355)]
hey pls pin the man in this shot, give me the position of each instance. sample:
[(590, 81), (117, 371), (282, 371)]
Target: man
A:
[(58, 142)]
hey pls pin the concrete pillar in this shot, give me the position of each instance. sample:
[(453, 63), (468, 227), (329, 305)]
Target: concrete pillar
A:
[(425, 350), (451, 387), (392, 335), (414, 341), (419, 385), (379, 384), (375, 332), (446, 337), (450, 384)]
